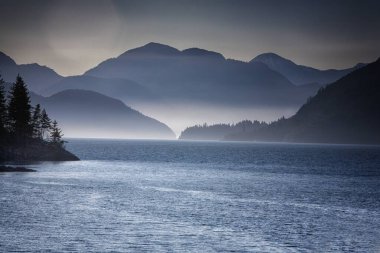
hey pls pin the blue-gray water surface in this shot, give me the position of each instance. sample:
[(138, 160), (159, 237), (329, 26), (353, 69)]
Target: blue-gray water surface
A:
[(176, 196)]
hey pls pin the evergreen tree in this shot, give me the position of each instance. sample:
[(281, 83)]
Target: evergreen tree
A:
[(3, 110), (45, 124), (56, 134), (19, 110), (37, 122)]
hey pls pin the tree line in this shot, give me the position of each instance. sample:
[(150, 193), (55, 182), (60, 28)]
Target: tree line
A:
[(21, 123), (220, 131)]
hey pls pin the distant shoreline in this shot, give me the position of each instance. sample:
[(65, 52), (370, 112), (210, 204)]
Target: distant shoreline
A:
[(222, 141)]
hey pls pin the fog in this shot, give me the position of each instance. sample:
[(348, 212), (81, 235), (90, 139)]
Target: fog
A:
[(180, 116)]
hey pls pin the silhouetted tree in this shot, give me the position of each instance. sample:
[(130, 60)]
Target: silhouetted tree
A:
[(37, 122), (19, 110), (56, 134), (45, 124), (23, 128), (3, 110)]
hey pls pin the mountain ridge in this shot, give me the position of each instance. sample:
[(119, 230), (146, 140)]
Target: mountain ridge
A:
[(170, 81), (37, 76), (123, 89), (84, 113), (176, 76), (300, 74), (6, 60), (346, 111), (151, 49)]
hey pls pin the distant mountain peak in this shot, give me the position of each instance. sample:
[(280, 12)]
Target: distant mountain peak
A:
[(299, 74), (269, 54), (155, 44), (86, 97), (37, 77), (194, 51), (271, 58), (91, 114), (35, 66), (6, 60), (152, 48)]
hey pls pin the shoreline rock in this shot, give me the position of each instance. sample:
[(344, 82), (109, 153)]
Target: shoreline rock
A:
[(15, 169), (35, 152)]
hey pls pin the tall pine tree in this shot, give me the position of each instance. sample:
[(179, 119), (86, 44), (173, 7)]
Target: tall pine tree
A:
[(37, 122), (3, 111), (56, 134), (19, 111), (45, 124)]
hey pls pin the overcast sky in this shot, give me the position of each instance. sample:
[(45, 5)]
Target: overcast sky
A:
[(73, 36)]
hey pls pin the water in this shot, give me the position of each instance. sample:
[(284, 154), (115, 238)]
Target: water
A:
[(172, 196)]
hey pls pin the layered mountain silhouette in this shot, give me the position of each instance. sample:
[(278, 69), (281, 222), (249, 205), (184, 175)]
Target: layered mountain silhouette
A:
[(299, 74), (347, 111), (160, 72), (202, 76), (89, 114), (165, 82), (38, 77)]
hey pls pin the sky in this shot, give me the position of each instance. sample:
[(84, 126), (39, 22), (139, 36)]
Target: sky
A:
[(73, 36)]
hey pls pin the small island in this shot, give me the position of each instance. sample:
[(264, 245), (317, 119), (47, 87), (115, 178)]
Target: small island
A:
[(27, 133)]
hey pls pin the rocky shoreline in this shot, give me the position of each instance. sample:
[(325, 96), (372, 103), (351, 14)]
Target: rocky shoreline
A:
[(14, 169), (35, 152)]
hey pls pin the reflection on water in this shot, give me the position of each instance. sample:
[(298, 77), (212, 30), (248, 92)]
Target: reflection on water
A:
[(160, 196)]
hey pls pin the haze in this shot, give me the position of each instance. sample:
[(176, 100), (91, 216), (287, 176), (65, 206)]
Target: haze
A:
[(150, 55), (73, 36)]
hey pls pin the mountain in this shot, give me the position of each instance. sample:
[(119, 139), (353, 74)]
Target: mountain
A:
[(44, 81), (198, 52), (6, 61), (299, 74), (178, 87), (36, 76), (151, 50), (202, 76), (193, 75), (123, 89), (89, 114), (346, 111)]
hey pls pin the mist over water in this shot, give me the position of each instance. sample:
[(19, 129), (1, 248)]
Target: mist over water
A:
[(160, 196), (180, 116)]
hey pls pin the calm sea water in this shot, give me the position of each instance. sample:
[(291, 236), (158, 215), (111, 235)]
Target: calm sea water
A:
[(173, 196)]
